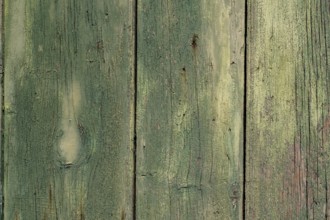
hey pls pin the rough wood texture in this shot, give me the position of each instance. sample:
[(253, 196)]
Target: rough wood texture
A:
[(288, 124), (190, 109), (1, 107), (69, 109)]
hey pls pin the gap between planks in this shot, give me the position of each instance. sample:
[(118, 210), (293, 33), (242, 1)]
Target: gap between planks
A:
[(245, 108), (135, 22)]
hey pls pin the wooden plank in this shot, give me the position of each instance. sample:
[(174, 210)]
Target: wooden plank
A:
[(288, 158), (190, 109), (69, 107), (1, 107)]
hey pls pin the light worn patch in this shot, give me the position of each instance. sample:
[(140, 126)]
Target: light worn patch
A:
[(15, 47), (70, 141)]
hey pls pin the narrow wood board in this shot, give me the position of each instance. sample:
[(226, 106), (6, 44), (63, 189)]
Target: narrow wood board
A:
[(69, 107), (288, 110), (1, 107), (190, 109)]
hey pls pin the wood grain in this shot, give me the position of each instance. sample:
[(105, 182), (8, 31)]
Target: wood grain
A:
[(69, 107), (288, 113), (1, 107), (190, 109)]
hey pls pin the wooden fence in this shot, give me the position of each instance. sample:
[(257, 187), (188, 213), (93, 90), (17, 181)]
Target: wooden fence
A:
[(176, 109)]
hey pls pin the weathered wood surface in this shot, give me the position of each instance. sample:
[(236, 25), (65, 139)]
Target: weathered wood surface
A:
[(288, 109), (70, 109), (69, 106), (190, 109), (1, 107)]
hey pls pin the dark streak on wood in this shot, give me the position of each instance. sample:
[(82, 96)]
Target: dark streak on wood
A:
[(50, 195), (123, 215), (194, 41)]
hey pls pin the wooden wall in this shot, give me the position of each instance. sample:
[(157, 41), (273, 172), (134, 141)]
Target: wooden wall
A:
[(144, 109)]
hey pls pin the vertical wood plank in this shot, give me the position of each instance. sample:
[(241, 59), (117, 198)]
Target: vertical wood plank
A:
[(69, 105), (288, 107), (1, 106), (190, 109)]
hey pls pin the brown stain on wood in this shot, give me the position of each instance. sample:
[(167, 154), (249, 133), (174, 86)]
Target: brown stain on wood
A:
[(194, 41), (294, 181), (324, 129)]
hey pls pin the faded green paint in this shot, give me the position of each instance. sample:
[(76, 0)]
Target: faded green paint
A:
[(287, 165), (69, 109), (190, 109), (1, 104)]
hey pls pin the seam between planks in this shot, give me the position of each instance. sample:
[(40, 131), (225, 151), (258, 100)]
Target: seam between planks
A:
[(245, 108), (135, 17), (2, 109)]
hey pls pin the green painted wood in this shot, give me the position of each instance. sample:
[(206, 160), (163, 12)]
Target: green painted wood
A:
[(69, 107), (190, 109), (1, 107), (288, 110)]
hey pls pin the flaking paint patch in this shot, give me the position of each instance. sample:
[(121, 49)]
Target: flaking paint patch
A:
[(70, 141)]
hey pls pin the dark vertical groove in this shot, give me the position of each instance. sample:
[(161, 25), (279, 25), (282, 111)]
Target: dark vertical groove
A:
[(2, 174), (245, 108), (135, 104), (305, 66), (326, 194)]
